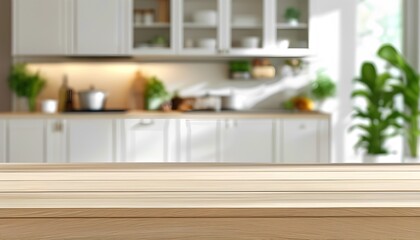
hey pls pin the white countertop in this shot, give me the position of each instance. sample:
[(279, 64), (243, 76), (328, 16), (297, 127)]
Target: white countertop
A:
[(259, 114)]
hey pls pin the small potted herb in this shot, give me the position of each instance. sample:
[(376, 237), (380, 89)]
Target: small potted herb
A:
[(26, 85), (240, 69), (323, 88), (156, 94), (292, 16)]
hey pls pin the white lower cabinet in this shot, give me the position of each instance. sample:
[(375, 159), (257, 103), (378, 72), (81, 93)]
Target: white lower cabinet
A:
[(26, 141), (150, 140), (56, 141), (290, 141), (3, 141), (248, 141), (305, 141), (93, 140), (200, 141)]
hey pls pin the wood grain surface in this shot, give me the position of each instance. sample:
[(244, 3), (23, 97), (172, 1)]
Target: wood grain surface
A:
[(212, 228), (196, 201)]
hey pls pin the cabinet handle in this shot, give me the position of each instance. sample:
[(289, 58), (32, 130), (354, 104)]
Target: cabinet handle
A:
[(144, 123), (58, 126)]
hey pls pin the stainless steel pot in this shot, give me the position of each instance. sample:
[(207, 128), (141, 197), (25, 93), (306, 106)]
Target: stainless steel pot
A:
[(92, 99), (234, 102)]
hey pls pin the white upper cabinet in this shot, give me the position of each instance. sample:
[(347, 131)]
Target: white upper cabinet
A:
[(26, 141), (246, 27), (248, 141), (93, 140), (201, 27), (101, 27), (41, 27), (200, 141), (249, 28), (292, 33), (153, 28), (150, 140)]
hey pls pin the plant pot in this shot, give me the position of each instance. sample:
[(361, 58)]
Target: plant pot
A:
[(21, 104), (382, 158), (24, 104), (293, 22), (409, 159), (154, 103)]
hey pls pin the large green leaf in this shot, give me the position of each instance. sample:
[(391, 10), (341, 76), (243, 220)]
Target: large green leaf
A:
[(369, 75), (363, 94)]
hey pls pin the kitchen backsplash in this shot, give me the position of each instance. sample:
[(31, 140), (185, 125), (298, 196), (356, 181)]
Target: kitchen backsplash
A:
[(192, 79)]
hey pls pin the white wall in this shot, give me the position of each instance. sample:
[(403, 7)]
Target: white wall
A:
[(192, 78), (333, 31)]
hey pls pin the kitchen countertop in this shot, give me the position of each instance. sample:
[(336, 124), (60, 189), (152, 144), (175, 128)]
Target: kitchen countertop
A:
[(208, 186), (257, 114), (209, 201)]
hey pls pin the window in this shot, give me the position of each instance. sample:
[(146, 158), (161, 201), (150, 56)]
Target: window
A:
[(378, 22)]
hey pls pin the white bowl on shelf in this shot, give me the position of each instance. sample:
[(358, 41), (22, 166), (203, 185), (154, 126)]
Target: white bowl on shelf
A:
[(205, 17), (250, 42), (207, 43), (283, 43)]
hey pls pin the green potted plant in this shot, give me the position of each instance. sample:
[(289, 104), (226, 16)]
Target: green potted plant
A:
[(156, 94), (378, 121), (292, 16), (322, 88), (26, 84), (409, 88), (240, 69)]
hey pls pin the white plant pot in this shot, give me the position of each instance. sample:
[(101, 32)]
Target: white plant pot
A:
[(409, 159), (293, 22), (383, 158)]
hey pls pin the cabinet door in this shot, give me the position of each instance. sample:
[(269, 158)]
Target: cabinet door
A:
[(100, 27), (156, 36), (201, 140), (56, 141), (201, 30), (303, 141), (247, 26), (26, 141), (92, 140), (248, 141), (292, 34), (41, 27), (3, 141), (149, 140)]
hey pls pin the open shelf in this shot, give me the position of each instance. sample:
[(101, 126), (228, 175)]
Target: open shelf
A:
[(154, 25), (287, 26), (198, 26), (236, 26)]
